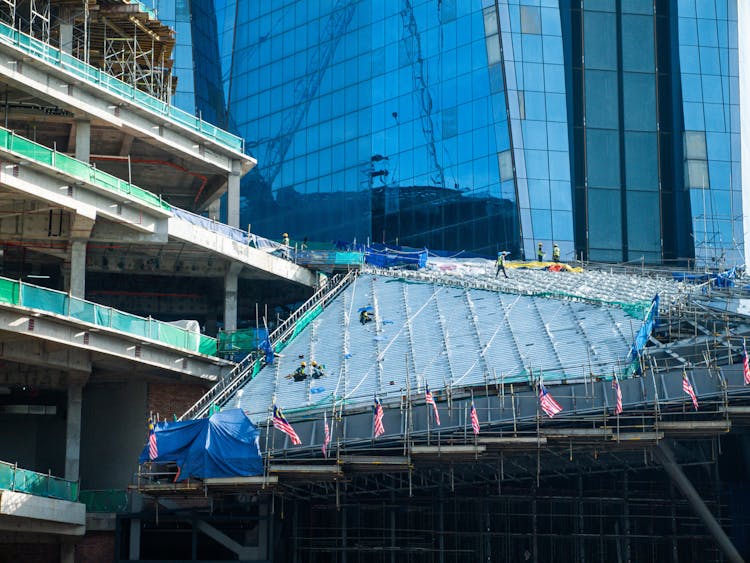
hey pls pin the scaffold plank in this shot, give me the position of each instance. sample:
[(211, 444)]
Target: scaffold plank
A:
[(567, 433), (305, 469), (695, 426), (240, 481), (513, 442), (438, 451)]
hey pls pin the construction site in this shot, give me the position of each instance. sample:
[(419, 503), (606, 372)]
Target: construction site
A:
[(442, 412)]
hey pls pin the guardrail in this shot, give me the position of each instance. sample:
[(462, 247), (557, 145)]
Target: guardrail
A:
[(23, 147), (250, 365), (52, 301), (82, 71), (13, 478)]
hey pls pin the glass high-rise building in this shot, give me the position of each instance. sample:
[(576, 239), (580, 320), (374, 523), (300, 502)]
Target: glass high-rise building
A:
[(609, 127)]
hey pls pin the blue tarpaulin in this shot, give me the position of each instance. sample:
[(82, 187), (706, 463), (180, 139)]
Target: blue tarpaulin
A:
[(385, 256), (650, 321), (223, 445), (719, 279)]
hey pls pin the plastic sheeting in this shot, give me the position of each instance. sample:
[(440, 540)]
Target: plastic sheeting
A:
[(223, 445), (233, 233)]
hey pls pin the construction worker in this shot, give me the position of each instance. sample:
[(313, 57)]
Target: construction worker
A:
[(300, 374), (501, 264), (364, 317), (555, 252), (285, 239), (539, 253), (317, 370)]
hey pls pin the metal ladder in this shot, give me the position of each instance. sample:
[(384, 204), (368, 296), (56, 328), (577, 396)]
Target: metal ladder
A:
[(243, 370)]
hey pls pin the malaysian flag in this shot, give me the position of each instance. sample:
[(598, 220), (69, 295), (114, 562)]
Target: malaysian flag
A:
[(618, 395), (474, 419), (377, 420), (430, 400), (153, 450), (688, 388), (282, 424), (327, 437), (745, 364), (548, 404)]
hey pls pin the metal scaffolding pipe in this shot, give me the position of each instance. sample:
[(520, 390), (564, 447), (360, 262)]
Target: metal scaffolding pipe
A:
[(664, 454)]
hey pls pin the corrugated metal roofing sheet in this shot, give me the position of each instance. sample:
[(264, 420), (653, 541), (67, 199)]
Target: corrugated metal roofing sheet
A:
[(441, 336)]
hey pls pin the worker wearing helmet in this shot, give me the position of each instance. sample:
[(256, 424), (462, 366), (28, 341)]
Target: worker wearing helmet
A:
[(285, 239), (300, 374), (555, 252), (317, 370), (364, 317), (539, 253), (501, 264)]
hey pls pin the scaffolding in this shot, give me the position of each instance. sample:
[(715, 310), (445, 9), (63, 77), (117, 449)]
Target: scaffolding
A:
[(117, 36), (590, 484)]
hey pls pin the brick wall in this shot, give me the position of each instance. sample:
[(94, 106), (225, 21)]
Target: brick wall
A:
[(173, 398), (96, 547)]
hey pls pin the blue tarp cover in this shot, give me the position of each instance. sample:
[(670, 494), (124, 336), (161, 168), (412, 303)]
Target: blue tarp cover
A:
[(386, 256), (223, 445)]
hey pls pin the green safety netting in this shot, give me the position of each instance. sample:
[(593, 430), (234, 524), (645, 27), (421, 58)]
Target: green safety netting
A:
[(9, 291), (75, 168), (51, 301), (243, 340), (22, 480), (108, 500), (40, 298), (207, 345)]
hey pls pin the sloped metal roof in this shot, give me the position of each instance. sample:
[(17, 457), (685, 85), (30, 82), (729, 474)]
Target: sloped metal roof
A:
[(426, 333)]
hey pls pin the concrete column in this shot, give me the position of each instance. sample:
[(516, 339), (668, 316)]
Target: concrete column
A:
[(134, 544), (77, 280), (230, 296), (66, 30), (83, 139), (73, 432), (66, 38), (233, 195), (67, 552)]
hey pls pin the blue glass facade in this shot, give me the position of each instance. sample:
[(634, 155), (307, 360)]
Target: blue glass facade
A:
[(610, 127), (536, 98), (709, 71)]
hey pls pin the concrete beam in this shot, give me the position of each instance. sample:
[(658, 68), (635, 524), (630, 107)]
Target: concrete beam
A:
[(45, 354), (43, 184), (20, 511), (255, 259), (60, 343), (13, 373), (65, 89), (105, 231)]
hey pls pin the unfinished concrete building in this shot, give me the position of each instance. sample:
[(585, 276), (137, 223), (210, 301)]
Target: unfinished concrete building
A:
[(104, 192), (107, 200)]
